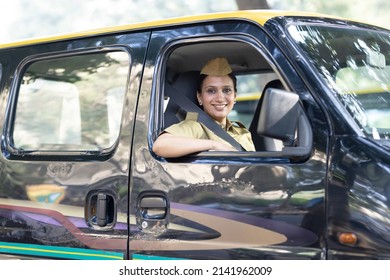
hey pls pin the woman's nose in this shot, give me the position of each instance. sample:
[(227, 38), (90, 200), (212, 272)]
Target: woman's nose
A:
[(220, 94)]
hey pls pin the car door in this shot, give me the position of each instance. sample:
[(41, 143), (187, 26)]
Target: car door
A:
[(66, 147), (259, 205)]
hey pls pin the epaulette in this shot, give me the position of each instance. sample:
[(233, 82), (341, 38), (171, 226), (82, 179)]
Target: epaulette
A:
[(192, 116), (238, 124)]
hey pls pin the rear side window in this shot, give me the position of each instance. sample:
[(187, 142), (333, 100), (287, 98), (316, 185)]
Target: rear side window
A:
[(70, 103)]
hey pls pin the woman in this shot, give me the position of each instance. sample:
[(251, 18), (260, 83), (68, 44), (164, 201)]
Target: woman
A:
[(216, 92)]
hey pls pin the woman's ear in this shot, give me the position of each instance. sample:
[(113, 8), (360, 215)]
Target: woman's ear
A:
[(199, 99)]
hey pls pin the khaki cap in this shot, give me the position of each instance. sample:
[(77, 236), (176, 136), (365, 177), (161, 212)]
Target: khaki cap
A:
[(217, 67)]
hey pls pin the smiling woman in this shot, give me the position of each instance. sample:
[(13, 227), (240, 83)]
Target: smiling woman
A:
[(216, 94)]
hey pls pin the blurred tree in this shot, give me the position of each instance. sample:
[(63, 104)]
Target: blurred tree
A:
[(252, 4), (31, 18)]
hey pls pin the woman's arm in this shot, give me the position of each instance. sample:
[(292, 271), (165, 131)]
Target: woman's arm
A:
[(168, 145)]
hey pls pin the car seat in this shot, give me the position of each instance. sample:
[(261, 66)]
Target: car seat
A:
[(186, 84)]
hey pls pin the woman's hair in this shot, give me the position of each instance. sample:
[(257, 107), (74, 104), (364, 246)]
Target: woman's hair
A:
[(203, 76)]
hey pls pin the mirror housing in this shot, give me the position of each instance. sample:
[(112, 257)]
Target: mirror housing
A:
[(282, 117), (279, 115)]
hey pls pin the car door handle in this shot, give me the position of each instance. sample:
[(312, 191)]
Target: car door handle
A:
[(153, 207), (100, 210), (153, 211)]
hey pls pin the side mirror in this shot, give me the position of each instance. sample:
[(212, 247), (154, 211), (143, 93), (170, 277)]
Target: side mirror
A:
[(279, 115), (282, 117)]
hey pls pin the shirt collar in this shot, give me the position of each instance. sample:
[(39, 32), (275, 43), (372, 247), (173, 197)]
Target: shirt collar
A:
[(227, 127)]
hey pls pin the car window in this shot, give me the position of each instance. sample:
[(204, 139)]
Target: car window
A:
[(249, 89), (251, 68), (366, 89), (71, 103), (355, 63)]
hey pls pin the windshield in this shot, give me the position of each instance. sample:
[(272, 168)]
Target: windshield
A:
[(355, 62)]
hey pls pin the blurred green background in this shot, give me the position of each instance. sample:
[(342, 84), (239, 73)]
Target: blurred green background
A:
[(21, 19)]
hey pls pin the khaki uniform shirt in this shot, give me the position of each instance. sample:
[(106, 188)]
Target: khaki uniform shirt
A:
[(190, 127)]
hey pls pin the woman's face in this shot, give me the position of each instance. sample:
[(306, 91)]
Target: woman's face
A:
[(217, 97)]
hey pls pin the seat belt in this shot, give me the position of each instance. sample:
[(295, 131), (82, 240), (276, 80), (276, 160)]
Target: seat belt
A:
[(185, 103)]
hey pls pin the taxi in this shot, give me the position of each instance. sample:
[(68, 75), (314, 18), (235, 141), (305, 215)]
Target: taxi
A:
[(79, 114)]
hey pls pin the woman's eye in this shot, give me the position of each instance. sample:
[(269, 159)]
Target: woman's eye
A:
[(227, 90), (211, 90)]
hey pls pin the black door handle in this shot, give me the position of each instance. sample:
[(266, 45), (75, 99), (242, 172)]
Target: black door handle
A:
[(152, 211), (153, 207), (100, 211)]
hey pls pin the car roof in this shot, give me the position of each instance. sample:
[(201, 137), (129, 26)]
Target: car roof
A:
[(258, 16)]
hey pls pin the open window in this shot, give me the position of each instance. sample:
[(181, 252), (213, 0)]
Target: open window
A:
[(254, 75)]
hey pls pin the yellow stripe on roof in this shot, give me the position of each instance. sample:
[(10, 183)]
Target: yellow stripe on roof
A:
[(258, 16)]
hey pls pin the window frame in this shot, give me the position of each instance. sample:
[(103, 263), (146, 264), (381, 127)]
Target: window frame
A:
[(157, 99), (15, 153)]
